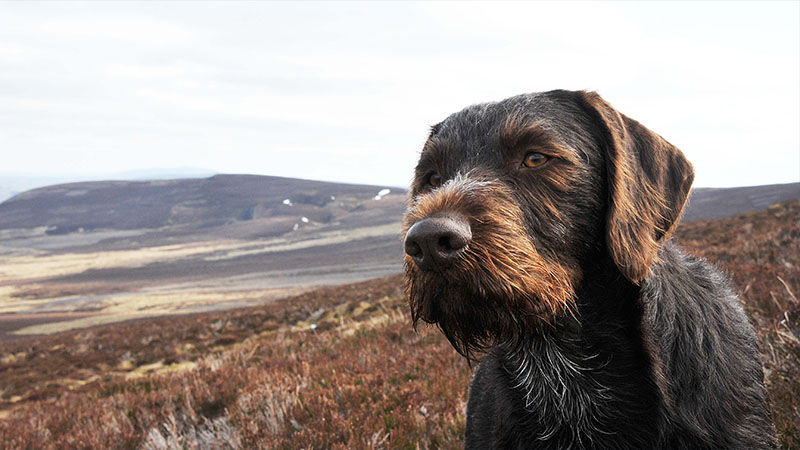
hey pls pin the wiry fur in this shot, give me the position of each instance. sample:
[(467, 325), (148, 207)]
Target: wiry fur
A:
[(598, 331)]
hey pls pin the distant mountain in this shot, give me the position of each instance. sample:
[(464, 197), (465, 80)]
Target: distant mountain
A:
[(716, 203), (198, 204), (12, 184), (187, 203), (141, 248)]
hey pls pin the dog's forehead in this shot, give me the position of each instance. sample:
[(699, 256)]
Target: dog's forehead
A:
[(478, 130), (487, 119)]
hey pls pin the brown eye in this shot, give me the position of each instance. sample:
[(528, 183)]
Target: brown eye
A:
[(535, 159), (434, 180)]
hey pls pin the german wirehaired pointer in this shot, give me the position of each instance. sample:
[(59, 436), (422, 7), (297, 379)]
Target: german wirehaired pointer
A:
[(538, 235)]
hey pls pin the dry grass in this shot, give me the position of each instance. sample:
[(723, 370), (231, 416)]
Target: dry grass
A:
[(334, 368), (16, 269), (260, 377), (36, 283), (124, 307)]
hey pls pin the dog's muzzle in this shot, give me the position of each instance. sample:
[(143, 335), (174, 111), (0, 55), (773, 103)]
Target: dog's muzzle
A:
[(434, 243)]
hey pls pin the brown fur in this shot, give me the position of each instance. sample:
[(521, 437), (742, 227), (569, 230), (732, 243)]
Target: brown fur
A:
[(648, 183)]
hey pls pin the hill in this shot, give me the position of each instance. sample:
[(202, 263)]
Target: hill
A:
[(261, 206), (336, 368), (12, 183), (82, 254), (716, 203)]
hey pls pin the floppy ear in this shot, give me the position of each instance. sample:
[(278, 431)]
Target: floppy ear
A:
[(648, 183)]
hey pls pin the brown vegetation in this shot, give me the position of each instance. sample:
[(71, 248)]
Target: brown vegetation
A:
[(335, 368)]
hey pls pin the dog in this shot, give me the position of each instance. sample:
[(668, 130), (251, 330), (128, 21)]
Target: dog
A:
[(538, 237)]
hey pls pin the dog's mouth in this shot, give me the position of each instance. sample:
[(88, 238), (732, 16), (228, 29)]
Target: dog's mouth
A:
[(482, 299), (535, 288)]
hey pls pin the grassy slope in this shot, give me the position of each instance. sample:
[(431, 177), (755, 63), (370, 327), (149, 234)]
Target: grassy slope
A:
[(263, 377)]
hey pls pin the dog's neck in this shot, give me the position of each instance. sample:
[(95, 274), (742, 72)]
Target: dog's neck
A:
[(544, 369), (562, 374)]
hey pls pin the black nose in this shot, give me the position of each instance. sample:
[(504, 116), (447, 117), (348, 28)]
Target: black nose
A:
[(435, 242)]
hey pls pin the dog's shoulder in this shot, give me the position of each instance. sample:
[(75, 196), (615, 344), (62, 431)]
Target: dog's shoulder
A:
[(686, 295), (704, 354)]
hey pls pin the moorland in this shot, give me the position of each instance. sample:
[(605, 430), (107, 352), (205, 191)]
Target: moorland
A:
[(85, 254), (335, 367)]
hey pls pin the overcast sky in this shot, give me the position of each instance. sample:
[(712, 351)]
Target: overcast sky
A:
[(347, 91)]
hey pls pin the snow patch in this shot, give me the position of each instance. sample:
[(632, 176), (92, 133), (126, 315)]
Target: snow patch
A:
[(381, 194)]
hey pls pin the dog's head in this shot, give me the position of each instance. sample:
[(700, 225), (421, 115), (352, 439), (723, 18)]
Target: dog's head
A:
[(511, 200)]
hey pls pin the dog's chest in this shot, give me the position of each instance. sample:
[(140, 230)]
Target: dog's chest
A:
[(547, 397)]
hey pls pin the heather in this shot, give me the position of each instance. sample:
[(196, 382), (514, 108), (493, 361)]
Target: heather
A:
[(337, 367)]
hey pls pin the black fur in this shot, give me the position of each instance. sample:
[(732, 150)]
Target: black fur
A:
[(588, 384), (668, 361)]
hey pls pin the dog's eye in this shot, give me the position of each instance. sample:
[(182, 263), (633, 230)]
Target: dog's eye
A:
[(434, 180), (535, 159)]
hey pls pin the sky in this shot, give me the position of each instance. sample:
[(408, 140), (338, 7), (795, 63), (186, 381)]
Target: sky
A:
[(345, 91)]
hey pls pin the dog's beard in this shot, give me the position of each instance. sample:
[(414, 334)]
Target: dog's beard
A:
[(468, 320), (484, 300)]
